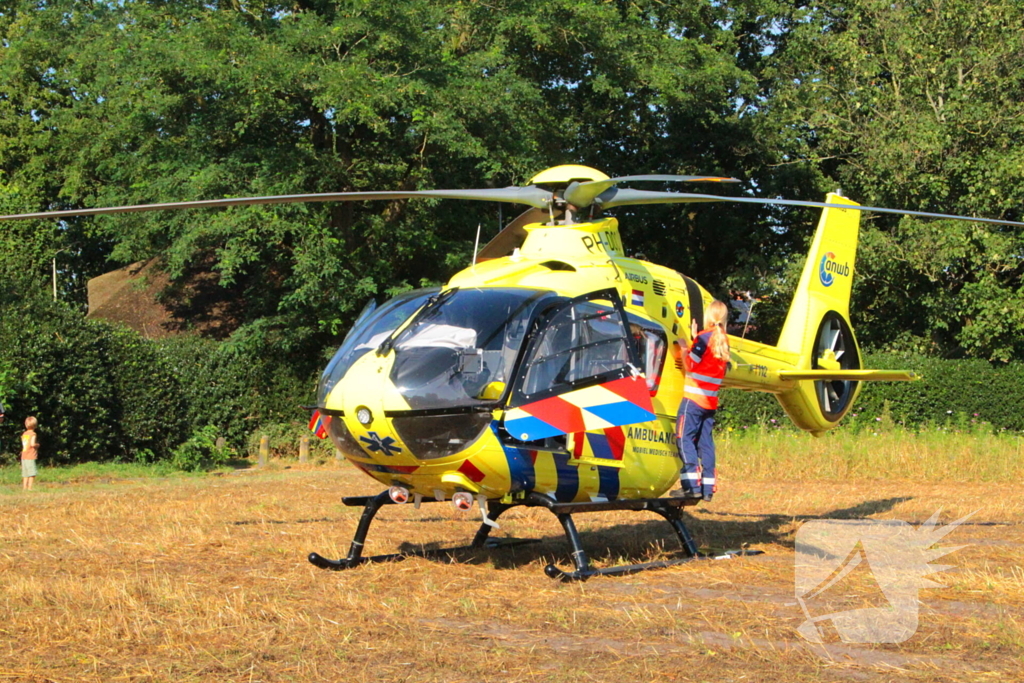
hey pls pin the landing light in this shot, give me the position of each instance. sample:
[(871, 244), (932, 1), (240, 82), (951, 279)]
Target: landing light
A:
[(462, 501), (364, 415), (399, 494)]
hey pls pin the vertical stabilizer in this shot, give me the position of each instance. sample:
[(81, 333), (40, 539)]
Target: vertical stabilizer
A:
[(826, 281), (817, 329)]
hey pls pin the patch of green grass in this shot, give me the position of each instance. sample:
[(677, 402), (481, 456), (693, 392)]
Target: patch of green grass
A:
[(95, 472)]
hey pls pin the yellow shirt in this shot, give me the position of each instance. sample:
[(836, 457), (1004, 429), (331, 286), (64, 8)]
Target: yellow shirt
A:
[(29, 446)]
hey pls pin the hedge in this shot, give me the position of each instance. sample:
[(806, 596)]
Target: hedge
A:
[(100, 392), (103, 392), (239, 385)]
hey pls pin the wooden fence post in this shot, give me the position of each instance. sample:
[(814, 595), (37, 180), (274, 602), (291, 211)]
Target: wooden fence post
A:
[(304, 449), (264, 449)]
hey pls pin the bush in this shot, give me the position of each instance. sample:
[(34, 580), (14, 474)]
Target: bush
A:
[(237, 385), (100, 392), (200, 451), (103, 392)]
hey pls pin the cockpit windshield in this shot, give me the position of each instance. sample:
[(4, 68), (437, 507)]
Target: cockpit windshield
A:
[(459, 352), (372, 328)]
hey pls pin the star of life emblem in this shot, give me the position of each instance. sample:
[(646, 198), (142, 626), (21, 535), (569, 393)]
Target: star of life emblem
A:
[(376, 444)]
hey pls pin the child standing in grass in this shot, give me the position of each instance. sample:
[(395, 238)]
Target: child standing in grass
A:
[(29, 453)]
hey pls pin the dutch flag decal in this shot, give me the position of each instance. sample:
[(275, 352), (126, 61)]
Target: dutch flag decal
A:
[(638, 298)]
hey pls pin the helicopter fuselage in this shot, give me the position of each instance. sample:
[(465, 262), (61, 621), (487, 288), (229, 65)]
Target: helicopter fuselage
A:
[(435, 441), (419, 394)]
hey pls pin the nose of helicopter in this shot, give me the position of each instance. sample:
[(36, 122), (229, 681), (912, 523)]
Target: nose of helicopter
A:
[(362, 396), (380, 425)]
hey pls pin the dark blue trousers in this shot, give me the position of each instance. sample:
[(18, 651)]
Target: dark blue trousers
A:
[(697, 448)]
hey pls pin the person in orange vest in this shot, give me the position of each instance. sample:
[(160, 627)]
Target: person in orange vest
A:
[(705, 363)]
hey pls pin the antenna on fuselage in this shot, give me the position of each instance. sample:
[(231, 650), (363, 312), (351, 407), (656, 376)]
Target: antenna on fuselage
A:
[(476, 244)]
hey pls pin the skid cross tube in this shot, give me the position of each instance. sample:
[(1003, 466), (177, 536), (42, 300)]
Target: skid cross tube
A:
[(668, 508)]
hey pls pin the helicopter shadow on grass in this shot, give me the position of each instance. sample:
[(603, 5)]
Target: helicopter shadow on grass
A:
[(648, 538)]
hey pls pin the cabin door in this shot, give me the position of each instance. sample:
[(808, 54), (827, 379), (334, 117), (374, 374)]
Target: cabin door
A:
[(580, 372)]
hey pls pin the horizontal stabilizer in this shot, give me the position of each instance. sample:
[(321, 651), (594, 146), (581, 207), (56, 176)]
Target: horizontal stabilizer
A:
[(852, 375)]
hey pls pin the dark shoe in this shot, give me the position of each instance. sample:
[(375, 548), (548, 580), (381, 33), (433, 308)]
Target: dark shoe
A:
[(682, 493), (706, 496)]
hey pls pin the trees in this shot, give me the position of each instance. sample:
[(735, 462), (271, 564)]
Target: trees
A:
[(919, 105), (118, 103), (913, 104)]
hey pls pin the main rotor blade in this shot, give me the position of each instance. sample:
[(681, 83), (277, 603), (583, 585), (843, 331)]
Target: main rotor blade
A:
[(626, 197), (583, 194), (531, 195)]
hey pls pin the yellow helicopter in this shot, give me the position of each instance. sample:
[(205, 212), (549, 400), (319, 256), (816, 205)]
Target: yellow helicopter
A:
[(542, 374)]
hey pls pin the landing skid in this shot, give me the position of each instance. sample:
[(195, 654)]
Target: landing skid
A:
[(669, 508)]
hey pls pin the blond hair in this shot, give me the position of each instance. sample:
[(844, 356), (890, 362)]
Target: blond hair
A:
[(717, 316), (31, 422)]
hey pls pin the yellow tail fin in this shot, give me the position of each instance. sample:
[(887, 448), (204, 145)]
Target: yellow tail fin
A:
[(826, 281), (817, 329)]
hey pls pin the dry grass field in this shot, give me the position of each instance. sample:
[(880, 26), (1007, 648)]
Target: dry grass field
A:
[(205, 579)]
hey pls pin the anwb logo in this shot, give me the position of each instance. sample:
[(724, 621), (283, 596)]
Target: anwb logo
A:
[(896, 554), (828, 268)]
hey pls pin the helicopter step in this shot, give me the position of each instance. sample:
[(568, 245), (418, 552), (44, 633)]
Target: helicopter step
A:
[(669, 508)]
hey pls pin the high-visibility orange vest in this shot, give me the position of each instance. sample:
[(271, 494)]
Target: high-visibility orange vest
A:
[(704, 372)]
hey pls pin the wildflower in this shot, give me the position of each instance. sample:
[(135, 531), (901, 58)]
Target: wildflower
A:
[(949, 412), (878, 419)]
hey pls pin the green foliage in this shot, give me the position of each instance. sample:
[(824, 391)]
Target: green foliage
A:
[(918, 105), (240, 384), (913, 104), (99, 392), (137, 102), (200, 451), (965, 392)]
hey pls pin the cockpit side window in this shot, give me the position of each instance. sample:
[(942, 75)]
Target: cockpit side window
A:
[(584, 342), (651, 345)]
